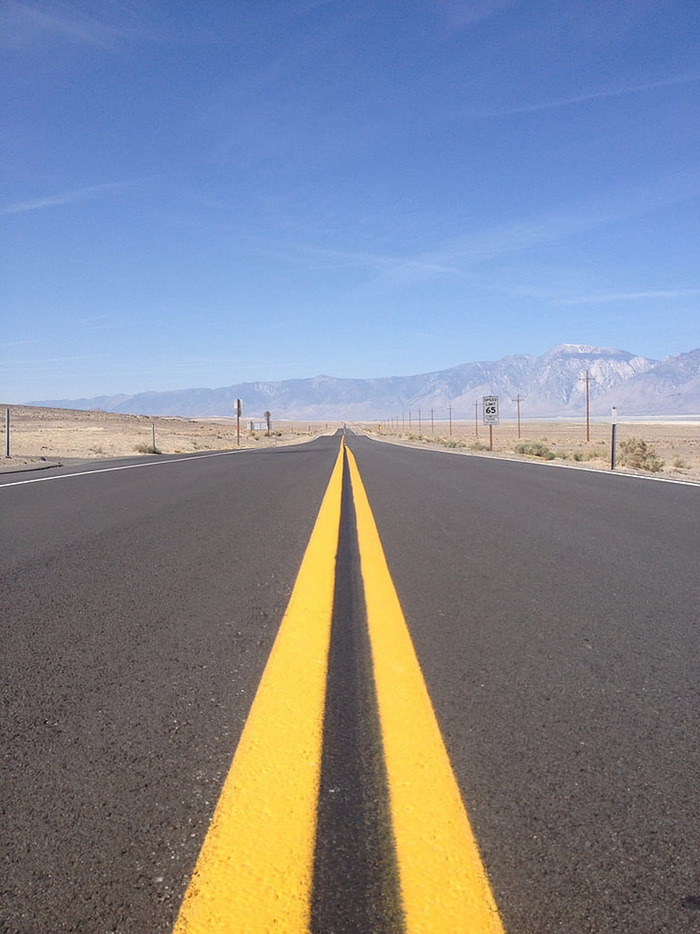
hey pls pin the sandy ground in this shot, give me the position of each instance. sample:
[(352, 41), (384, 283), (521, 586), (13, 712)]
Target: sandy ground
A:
[(43, 437), (677, 443)]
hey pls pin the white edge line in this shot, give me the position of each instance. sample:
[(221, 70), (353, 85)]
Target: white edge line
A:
[(85, 473), (534, 463)]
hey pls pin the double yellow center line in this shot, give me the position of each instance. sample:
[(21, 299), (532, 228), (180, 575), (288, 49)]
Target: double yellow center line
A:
[(254, 874)]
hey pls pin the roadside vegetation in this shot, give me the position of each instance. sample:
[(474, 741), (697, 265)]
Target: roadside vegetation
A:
[(535, 449), (636, 453), (147, 449), (668, 447)]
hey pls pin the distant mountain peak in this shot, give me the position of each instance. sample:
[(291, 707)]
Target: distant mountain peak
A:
[(586, 350)]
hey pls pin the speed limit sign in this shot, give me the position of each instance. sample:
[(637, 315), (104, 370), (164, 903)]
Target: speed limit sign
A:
[(490, 404)]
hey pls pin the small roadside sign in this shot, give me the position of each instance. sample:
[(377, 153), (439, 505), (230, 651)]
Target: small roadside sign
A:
[(490, 406)]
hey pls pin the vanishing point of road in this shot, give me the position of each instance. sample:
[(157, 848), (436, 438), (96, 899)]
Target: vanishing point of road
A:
[(349, 687)]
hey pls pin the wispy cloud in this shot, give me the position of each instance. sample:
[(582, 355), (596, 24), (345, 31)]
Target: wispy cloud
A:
[(63, 19), (334, 259), (594, 96), (6, 344), (106, 26), (397, 270), (604, 297), (308, 6), (100, 323), (462, 256), (49, 362), (465, 14), (458, 256), (62, 199), (354, 258)]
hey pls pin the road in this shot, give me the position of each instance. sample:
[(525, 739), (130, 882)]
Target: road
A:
[(554, 615)]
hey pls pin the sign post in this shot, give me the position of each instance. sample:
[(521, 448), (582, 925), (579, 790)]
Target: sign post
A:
[(490, 415), (239, 412), (614, 432)]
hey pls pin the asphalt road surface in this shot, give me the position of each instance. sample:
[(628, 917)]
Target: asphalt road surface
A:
[(555, 614)]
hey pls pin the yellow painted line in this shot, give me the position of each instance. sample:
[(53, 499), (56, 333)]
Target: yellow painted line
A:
[(444, 886), (254, 872)]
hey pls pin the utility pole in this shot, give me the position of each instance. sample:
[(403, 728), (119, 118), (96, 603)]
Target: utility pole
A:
[(476, 418), (517, 402), (450, 408), (587, 379)]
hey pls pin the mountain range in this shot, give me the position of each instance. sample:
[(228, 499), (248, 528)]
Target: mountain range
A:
[(551, 385)]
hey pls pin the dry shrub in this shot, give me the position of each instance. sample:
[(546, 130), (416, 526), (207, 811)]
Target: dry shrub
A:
[(535, 449), (636, 453)]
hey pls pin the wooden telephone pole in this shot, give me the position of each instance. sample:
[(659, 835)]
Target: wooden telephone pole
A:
[(587, 379), (517, 402)]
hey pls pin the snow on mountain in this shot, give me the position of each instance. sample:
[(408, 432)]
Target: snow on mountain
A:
[(551, 385)]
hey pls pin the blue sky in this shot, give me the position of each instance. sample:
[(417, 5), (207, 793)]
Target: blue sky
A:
[(200, 194)]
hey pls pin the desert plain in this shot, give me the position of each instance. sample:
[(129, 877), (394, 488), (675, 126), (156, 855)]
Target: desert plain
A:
[(43, 437), (676, 444)]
